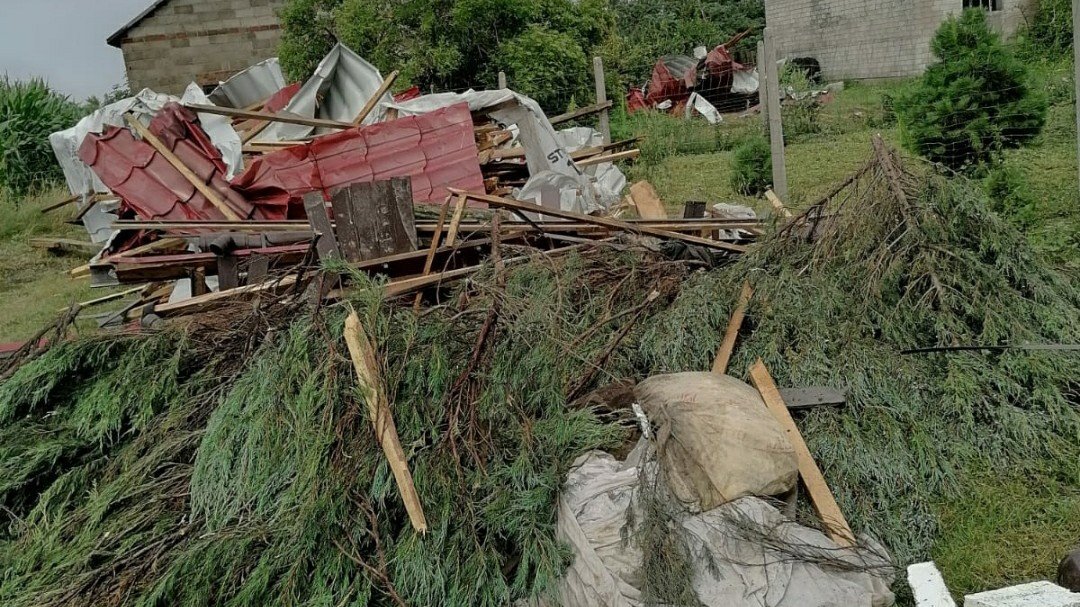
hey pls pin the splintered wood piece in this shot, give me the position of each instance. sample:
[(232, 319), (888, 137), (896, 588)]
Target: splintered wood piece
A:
[(727, 346), (459, 210), (430, 260), (204, 189), (836, 526), (777, 204), (647, 201), (374, 99), (373, 391), (326, 242)]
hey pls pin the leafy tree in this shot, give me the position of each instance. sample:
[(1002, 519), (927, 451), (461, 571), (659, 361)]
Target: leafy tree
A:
[(548, 66), (973, 101), (29, 112)]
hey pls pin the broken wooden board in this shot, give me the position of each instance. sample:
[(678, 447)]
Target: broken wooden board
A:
[(647, 202), (832, 519), (727, 346), (374, 219), (813, 396), (373, 391), (326, 243)]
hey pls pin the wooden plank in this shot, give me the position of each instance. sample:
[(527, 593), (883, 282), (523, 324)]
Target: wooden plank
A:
[(269, 117), (66, 244), (647, 201), (727, 346), (427, 227), (777, 204), (62, 203), (319, 219), (813, 396), (347, 238), (214, 198), (507, 203), (373, 391), (403, 205), (430, 260), (627, 155), (374, 99), (601, 98), (378, 215), (580, 113), (228, 272), (455, 223), (258, 268), (832, 519)]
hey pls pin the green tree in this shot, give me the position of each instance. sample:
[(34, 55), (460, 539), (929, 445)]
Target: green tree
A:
[(29, 112), (548, 66), (973, 101)]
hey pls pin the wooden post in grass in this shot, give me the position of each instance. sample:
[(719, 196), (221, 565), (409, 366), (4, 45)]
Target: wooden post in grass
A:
[(373, 391), (776, 127), (601, 98)]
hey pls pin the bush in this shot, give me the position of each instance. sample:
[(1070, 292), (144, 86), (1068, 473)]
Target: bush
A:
[(29, 112), (548, 66), (751, 170), (974, 101), (1050, 30), (1010, 195)]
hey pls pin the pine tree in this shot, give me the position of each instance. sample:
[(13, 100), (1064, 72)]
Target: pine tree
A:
[(973, 101)]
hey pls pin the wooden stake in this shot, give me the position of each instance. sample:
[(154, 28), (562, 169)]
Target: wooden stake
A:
[(836, 526), (177, 164), (607, 222), (723, 355), (430, 260), (601, 98), (374, 99), (374, 393), (459, 210)]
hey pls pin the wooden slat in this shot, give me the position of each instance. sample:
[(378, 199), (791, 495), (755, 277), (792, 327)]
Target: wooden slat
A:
[(374, 99), (269, 117), (298, 225), (647, 202), (727, 346), (580, 112), (373, 391), (403, 205), (455, 223), (777, 204), (627, 155), (813, 396), (378, 215), (430, 260), (347, 237), (228, 272), (507, 203), (258, 268), (832, 519), (319, 219), (200, 185)]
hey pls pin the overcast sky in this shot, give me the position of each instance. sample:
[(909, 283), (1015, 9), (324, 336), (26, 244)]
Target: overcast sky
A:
[(64, 42)]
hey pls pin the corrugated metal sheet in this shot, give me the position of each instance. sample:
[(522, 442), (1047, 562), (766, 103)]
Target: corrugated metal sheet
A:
[(437, 150), (250, 86), (152, 188)]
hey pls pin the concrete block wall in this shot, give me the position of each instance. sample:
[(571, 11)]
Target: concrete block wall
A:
[(199, 40), (861, 39)]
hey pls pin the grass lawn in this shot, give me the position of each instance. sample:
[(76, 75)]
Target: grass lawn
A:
[(34, 285)]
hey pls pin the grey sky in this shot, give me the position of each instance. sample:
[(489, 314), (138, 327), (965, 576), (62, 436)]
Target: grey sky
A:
[(64, 42)]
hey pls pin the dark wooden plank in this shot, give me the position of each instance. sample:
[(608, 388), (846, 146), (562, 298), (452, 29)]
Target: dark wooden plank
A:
[(258, 269), (319, 219), (403, 198), (378, 220), (347, 238), (814, 396), (228, 271)]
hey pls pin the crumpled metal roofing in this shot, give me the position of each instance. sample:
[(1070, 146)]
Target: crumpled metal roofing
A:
[(151, 187), (437, 150)]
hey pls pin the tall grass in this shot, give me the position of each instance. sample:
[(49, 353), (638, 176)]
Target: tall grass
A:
[(29, 112)]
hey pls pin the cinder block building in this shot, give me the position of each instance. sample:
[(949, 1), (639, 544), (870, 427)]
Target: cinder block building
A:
[(175, 42), (861, 39)]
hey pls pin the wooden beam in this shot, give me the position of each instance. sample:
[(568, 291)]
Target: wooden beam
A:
[(777, 204), (627, 155), (430, 260), (580, 112), (727, 346), (455, 223), (320, 224), (647, 202), (608, 222), (62, 203), (269, 117), (674, 224), (374, 99), (214, 198), (813, 396), (832, 519), (373, 391)]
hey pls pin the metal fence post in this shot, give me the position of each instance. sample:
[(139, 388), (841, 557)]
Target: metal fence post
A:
[(601, 97), (776, 127)]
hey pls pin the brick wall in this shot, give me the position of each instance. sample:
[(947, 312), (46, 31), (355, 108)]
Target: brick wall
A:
[(199, 40), (869, 38)]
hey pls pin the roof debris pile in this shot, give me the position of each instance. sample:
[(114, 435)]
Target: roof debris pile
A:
[(391, 361)]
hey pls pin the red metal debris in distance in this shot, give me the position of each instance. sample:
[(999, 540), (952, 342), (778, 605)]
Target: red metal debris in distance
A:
[(437, 150)]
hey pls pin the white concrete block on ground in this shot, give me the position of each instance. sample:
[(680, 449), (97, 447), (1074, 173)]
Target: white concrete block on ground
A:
[(1036, 594), (928, 586)]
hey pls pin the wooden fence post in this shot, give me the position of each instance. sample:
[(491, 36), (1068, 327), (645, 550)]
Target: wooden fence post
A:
[(776, 127), (601, 97), (502, 79)]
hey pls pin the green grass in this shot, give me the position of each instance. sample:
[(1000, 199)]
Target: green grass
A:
[(34, 285)]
